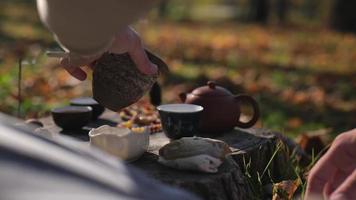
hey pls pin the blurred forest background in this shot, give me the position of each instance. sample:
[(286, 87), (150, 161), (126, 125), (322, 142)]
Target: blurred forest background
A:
[(296, 57)]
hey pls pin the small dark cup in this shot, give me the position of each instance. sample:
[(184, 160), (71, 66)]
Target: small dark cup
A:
[(72, 117), (88, 101), (180, 120)]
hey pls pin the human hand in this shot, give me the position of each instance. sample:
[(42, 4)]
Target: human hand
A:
[(126, 40), (334, 175)]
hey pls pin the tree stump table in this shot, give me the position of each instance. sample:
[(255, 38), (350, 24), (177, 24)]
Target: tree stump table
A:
[(256, 153)]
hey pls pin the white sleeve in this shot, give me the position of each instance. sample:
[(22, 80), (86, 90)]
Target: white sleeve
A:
[(87, 27)]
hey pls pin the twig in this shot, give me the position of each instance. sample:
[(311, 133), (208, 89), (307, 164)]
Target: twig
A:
[(19, 88)]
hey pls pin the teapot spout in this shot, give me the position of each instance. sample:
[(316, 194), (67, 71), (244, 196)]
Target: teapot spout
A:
[(183, 96)]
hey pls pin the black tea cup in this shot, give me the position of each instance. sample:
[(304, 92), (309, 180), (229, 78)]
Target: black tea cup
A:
[(180, 120)]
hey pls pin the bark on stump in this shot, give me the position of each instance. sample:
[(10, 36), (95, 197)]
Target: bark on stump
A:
[(260, 152), (228, 184), (259, 146)]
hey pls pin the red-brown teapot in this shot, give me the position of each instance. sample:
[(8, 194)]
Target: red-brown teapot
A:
[(221, 108)]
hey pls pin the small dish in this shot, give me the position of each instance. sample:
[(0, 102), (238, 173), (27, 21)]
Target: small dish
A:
[(88, 101), (123, 143), (71, 117)]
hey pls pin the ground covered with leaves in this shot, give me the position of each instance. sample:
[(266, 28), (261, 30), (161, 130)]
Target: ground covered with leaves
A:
[(302, 78)]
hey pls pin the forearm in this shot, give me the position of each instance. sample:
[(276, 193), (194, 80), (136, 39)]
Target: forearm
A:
[(87, 27)]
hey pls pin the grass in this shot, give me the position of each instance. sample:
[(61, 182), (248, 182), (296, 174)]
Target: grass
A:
[(258, 181), (295, 170)]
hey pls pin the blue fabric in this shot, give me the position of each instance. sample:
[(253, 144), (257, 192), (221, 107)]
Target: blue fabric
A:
[(33, 167)]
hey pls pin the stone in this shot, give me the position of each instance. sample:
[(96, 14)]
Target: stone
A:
[(194, 153)]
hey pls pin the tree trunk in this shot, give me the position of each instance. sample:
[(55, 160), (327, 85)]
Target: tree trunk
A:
[(259, 11), (344, 16), (228, 184), (162, 8), (282, 8), (262, 154)]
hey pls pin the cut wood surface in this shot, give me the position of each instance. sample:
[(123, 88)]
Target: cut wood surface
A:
[(253, 149)]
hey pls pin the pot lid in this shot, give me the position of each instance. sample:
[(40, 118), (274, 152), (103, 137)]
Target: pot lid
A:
[(211, 90)]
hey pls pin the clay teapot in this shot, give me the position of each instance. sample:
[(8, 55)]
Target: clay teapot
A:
[(221, 108)]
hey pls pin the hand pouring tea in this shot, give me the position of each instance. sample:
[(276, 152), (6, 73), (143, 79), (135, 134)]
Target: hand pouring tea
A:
[(117, 82)]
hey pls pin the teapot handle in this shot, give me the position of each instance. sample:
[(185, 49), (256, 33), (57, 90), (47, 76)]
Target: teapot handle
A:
[(255, 107), (183, 97)]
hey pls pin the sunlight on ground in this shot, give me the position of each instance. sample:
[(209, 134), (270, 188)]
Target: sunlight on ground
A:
[(302, 78)]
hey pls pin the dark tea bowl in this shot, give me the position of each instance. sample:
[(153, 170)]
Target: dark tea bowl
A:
[(180, 120), (72, 117), (88, 101)]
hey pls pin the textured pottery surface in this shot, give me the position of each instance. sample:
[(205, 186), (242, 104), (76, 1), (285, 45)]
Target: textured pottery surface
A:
[(117, 82), (194, 153), (72, 117), (221, 108), (120, 142), (89, 101)]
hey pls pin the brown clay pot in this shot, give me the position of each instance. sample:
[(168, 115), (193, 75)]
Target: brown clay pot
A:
[(221, 108), (117, 82)]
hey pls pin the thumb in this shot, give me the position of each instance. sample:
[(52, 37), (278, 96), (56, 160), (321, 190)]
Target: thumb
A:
[(73, 70), (347, 190), (129, 41), (139, 57)]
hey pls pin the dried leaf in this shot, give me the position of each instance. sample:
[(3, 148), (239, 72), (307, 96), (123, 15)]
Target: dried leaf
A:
[(284, 190)]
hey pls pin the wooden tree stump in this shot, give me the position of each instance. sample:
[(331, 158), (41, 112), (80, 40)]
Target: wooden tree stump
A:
[(228, 184), (258, 147), (260, 152)]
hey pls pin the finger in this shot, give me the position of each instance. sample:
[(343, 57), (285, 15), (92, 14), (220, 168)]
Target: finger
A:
[(92, 65), (129, 41), (347, 190), (138, 54), (339, 157), (82, 60), (335, 182), (77, 61), (123, 41), (76, 72), (139, 57)]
